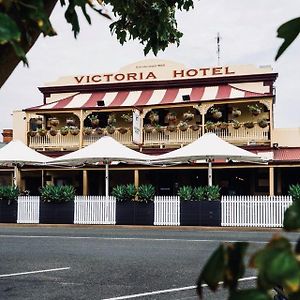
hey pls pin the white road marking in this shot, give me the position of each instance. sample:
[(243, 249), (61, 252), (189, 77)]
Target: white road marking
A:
[(34, 272), (170, 290), (130, 239)]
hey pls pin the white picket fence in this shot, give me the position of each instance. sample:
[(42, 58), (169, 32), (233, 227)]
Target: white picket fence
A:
[(254, 211), (94, 210), (28, 209), (166, 210)]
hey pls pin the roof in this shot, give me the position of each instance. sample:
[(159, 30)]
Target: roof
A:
[(148, 97), (287, 154)]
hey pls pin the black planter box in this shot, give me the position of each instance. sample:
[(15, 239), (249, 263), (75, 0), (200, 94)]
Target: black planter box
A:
[(57, 213), (210, 213), (200, 213), (8, 213), (134, 213)]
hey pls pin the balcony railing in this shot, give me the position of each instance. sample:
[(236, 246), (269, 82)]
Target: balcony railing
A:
[(166, 138)]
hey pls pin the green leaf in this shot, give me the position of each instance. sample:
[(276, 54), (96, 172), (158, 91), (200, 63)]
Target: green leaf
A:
[(287, 31), (292, 217), (251, 294), (9, 30)]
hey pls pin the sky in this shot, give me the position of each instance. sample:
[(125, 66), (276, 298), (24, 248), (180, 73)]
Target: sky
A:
[(248, 36)]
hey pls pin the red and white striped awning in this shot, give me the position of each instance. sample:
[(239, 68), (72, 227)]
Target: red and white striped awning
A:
[(147, 97)]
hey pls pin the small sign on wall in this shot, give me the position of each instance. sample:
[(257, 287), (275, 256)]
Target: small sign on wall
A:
[(137, 127)]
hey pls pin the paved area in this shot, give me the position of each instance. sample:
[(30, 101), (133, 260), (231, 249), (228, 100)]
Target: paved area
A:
[(98, 262)]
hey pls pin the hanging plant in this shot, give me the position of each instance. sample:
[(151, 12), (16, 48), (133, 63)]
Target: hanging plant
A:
[(32, 133), (74, 130), (94, 120), (110, 129), (216, 113), (99, 131), (263, 123), (183, 126), (64, 130), (53, 132), (236, 112), (87, 130), (39, 121), (188, 116), (42, 131), (112, 120), (70, 121), (153, 117), (222, 125), (53, 121), (148, 128), (195, 127), (236, 124), (171, 127), (127, 117), (171, 117), (159, 128), (122, 130), (210, 125), (249, 124), (255, 109)]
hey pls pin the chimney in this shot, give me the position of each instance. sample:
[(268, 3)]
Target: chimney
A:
[(7, 135)]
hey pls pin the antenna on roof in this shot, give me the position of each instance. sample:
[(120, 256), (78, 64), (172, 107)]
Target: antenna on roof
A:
[(218, 38)]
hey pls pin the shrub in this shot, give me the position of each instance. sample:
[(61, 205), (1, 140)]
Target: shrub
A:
[(130, 191), (119, 191), (199, 193), (212, 192), (146, 192), (9, 193), (57, 193), (185, 192), (294, 191)]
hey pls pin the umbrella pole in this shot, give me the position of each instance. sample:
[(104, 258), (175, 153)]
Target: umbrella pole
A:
[(15, 181), (209, 173), (106, 180)]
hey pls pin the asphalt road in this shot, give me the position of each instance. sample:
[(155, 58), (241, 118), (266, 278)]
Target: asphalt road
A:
[(110, 263)]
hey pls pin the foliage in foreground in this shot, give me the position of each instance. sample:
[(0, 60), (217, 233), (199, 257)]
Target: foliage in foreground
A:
[(57, 193), (199, 193), (144, 193), (9, 193), (277, 264)]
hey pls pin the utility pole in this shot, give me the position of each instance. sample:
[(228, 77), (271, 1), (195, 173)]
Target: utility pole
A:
[(218, 38)]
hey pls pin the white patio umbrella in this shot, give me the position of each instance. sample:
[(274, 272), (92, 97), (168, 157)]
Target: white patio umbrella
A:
[(105, 150), (16, 154), (208, 147)]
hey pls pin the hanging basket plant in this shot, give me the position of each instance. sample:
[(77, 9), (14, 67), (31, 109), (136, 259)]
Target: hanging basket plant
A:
[(42, 132), (99, 131), (112, 120), (32, 133), (53, 132), (70, 121), (148, 128), (153, 117), (159, 128), (110, 129), (53, 121), (127, 117), (236, 124), (171, 117), (215, 112), (222, 125), (172, 127), (94, 120), (210, 125), (64, 130), (87, 130), (188, 116), (236, 112), (249, 124), (122, 130), (263, 123), (183, 126), (255, 109), (39, 121), (74, 130), (195, 127)]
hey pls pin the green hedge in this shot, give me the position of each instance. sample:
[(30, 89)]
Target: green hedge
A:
[(199, 193), (57, 193)]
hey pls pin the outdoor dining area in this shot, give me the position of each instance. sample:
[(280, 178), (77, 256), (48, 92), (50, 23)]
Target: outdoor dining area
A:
[(124, 204)]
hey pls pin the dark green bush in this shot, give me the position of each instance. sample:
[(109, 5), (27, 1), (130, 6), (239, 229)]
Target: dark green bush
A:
[(131, 191), (119, 191), (146, 192), (212, 192), (185, 193), (57, 193), (9, 193), (199, 193), (294, 191)]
